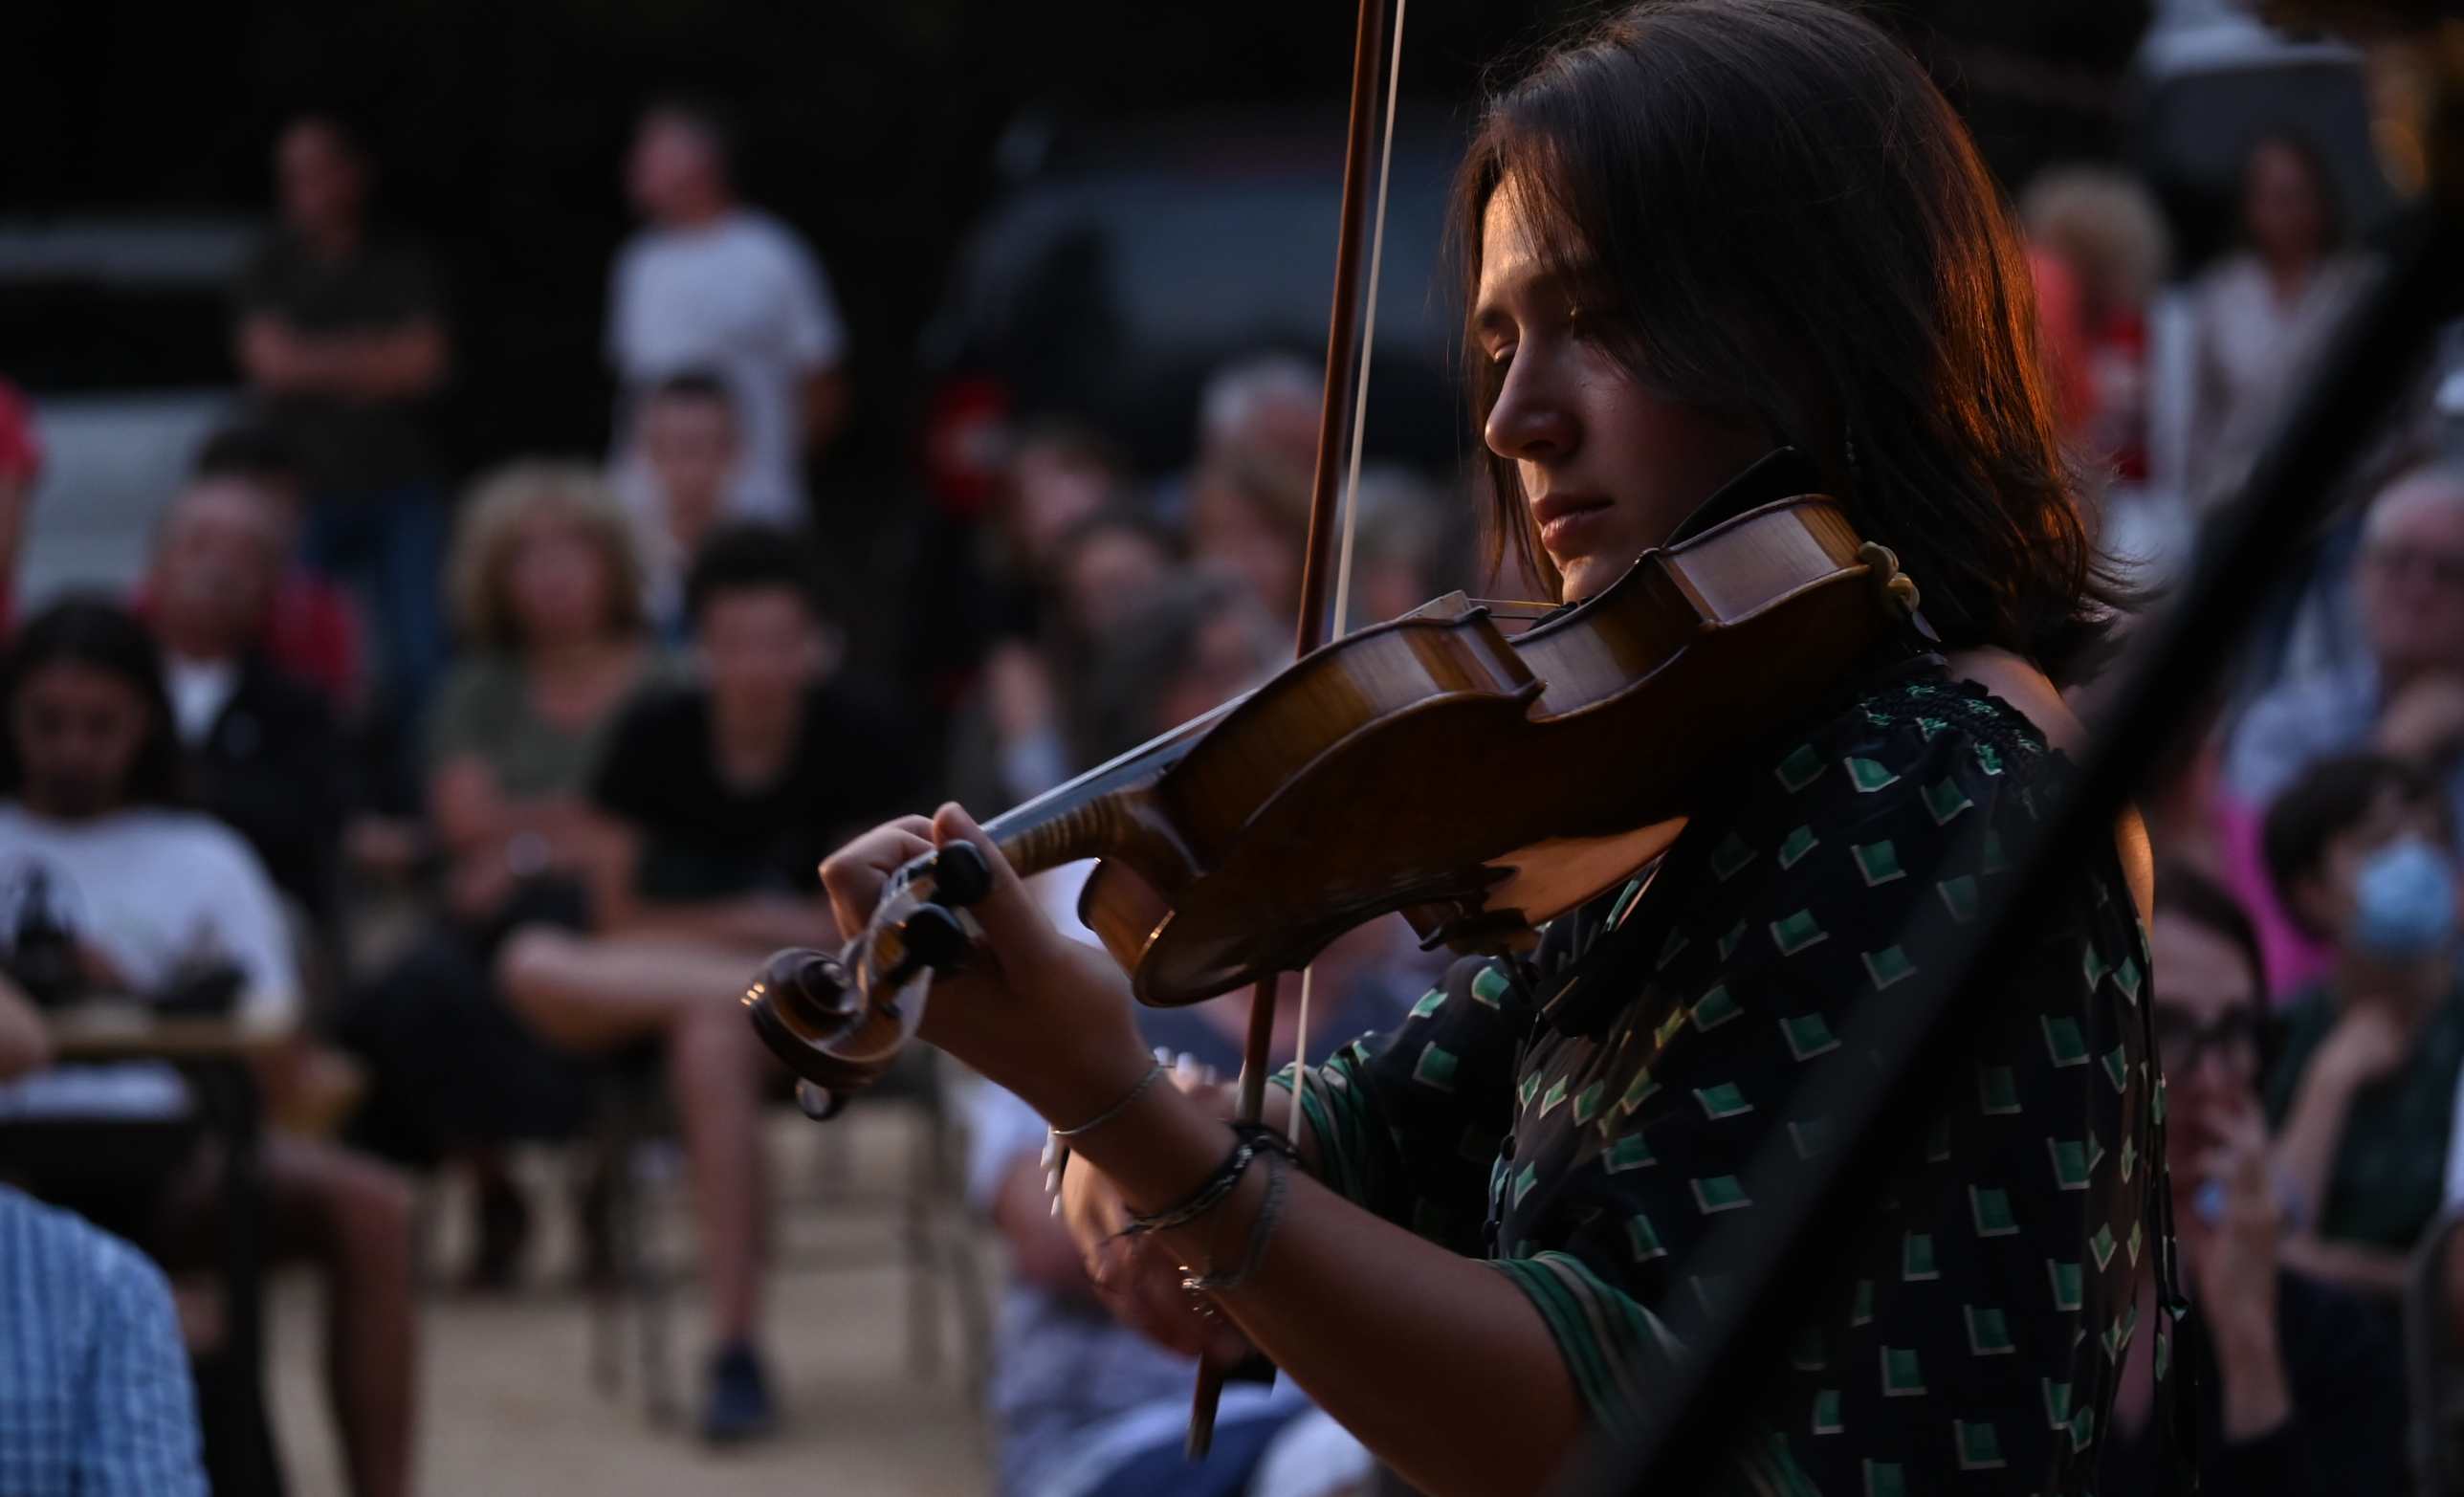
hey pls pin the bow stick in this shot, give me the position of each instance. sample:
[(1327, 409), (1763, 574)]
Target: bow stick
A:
[(1322, 567)]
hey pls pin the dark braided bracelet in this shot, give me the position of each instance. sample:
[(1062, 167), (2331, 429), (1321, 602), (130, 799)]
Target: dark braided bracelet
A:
[(1253, 1139)]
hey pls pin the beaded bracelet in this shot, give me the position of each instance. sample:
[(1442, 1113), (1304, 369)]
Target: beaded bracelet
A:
[(1253, 1139), (1269, 1211)]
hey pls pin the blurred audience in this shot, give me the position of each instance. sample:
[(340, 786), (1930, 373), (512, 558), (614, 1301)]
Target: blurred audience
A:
[(342, 341), (21, 470), (691, 443), (1194, 643), (112, 887), (547, 595), (713, 285), (2298, 1383), (314, 630), (2097, 245), (2408, 700), (2262, 315), (721, 802), (1250, 491), (95, 1394), (2362, 1099), (262, 752), (1399, 546)]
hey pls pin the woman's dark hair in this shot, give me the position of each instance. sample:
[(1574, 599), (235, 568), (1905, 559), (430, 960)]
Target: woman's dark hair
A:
[(1773, 217), (743, 558), (2210, 906), (2334, 795), (96, 634)]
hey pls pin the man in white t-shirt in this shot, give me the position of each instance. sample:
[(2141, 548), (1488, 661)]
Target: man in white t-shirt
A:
[(713, 286)]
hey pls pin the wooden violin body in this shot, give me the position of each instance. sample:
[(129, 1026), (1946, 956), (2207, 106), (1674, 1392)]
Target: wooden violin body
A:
[(1414, 766)]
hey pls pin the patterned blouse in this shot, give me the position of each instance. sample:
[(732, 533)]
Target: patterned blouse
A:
[(1578, 1116)]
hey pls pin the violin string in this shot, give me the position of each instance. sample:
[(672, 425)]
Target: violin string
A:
[(1339, 625), (1300, 1054)]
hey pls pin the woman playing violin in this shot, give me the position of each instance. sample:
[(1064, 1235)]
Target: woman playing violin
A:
[(1711, 228)]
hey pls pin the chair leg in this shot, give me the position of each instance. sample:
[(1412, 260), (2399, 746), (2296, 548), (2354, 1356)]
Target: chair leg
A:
[(649, 1285), (602, 1197)]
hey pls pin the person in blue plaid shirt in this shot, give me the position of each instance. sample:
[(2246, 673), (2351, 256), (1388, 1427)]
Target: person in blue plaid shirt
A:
[(95, 1398)]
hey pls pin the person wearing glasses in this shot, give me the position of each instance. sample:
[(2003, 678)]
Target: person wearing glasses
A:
[(2300, 1390)]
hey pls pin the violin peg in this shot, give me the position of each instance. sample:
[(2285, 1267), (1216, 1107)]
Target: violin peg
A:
[(960, 875), (818, 1103)]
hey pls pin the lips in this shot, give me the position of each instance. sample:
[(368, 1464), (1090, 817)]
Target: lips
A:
[(1563, 519)]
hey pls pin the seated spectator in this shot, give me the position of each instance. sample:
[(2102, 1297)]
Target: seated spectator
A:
[(2407, 585), (2361, 1101), (262, 750), (689, 443), (1250, 492), (95, 1397), (1399, 546), (546, 591), (2298, 1382), (313, 630), (153, 899), (1194, 643), (725, 799)]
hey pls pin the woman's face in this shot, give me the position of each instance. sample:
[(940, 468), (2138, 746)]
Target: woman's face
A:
[(2283, 205), (2205, 998), (556, 582), (1609, 469)]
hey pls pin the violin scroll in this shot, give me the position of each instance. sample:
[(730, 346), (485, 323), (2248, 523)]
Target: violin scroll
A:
[(839, 1021)]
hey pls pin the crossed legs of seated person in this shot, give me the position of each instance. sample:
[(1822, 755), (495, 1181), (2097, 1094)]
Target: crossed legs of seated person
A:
[(591, 995)]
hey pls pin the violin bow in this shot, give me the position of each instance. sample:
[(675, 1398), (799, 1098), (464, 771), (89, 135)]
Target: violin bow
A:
[(1325, 569)]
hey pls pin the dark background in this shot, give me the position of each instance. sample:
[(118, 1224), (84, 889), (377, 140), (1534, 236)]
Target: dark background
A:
[(498, 126)]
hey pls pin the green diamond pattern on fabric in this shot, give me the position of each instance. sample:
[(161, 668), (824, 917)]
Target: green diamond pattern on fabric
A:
[(1944, 800), (1902, 1378), (1524, 1178), (2082, 1427), (2116, 1067), (1795, 845), (1869, 776), (1487, 986), (1886, 1478), (1727, 858), (2127, 977), (1586, 1106), (2094, 1152), (1629, 1153), (1980, 1449), (1811, 1136), (2057, 1404), (1930, 726), (2115, 1338), (1643, 1240), (2092, 964), (1997, 1091), (1668, 1027), (1887, 965), (1805, 1353), (1527, 1088), (2101, 1246), (1729, 943), (1720, 1193), (2067, 1283), (1959, 896), (1808, 1036), (1992, 1209), (1916, 1258), (1436, 1067), (1430, 1003), (1992, 862), (1639, 1088), (1715, 1009), (1799, 769), (1826, 1412), (1989, 1330), (2063, 1044), (1796, 933), (2129, 1156), (1669, 948), (1861, 1308), (2070, 1163), (1723, 1100), (1626, 898), (1989, 758), (1556, 1097), (1879, 863), (2138, 1240)]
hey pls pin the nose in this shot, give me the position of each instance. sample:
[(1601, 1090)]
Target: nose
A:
[(1530, 422)]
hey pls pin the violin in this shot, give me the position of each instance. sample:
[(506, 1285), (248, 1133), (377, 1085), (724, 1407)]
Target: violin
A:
[(1479, 783)]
